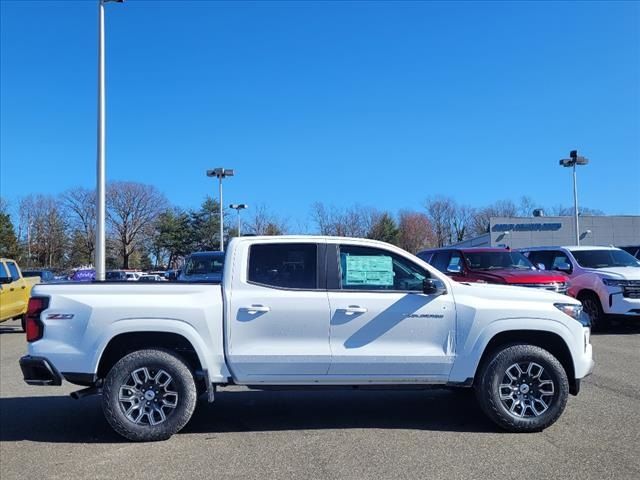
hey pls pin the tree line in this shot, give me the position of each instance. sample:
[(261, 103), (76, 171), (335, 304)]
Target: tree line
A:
[(145, 231)]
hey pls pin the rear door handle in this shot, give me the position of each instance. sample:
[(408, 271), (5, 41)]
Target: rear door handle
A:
[(257, 309), (351, 309)]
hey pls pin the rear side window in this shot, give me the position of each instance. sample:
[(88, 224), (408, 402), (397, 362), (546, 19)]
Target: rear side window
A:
[(13, 270), (284, 265)]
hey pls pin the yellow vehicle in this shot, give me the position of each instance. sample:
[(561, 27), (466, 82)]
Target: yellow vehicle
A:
[(14, 290)]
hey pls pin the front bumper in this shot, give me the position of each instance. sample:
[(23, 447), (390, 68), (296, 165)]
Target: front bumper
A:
[(39, 371), (616, 303)]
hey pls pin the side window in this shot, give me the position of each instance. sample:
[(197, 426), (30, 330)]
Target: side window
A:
[(284, 265), (4, 273), (366, 268), (440, 260), (541, 257), (560, 259), (455, 263), (13, 271)]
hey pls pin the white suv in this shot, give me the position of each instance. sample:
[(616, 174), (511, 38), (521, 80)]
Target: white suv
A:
[(605, 279)]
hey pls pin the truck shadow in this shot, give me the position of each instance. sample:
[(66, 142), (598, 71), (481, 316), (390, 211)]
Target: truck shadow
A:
[(62, 419)]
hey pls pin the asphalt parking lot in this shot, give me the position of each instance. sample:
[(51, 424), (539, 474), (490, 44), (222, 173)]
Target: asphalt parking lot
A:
[(345, 434)]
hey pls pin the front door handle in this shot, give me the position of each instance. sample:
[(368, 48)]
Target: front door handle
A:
[(351, 309), (257, 309)]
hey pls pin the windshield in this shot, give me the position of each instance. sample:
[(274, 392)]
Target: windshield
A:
[(204, 264), (497, 261), (604, 258)]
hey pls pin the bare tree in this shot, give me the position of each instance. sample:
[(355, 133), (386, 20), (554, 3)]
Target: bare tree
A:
[(415, 231), (262, 222), (80, 206), (43, 230), (132, 210), (356, 221), (482, 218), (440, 211)]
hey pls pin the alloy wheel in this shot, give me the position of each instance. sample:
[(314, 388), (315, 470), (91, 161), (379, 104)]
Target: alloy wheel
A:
[(527, 390), (148, 396)]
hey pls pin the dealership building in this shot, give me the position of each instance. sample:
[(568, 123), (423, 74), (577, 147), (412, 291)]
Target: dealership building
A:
[(522, 232)]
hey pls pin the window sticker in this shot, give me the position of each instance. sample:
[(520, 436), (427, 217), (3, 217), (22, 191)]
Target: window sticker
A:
[(369, 270)]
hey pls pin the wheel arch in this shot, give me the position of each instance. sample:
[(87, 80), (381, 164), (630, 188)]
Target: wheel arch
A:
[(549, 341), (125, 343)]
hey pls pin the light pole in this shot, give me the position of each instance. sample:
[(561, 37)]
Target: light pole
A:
[(573, 161), (220, 173), (99, 259), (237, 207)]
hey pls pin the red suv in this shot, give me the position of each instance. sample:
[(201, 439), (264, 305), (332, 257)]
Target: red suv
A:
[(493, 265)]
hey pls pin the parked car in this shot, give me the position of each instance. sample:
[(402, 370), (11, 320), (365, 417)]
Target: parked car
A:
[(307, 311), (133, 276), (203, 267), (605, 279), (493, 265), (151, 278), (15, 290), (116, 275), (44, 274), (83, 275), (172, 275)]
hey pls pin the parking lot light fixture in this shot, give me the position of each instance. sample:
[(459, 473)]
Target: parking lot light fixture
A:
[(571, 162), (237, 207), (221, 173)]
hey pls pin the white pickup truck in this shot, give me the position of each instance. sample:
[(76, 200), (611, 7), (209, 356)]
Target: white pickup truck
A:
[(307, 311)]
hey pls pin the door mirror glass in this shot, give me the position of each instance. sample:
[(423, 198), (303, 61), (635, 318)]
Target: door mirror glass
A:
[(541, 266), (433, 286), (563, 267)]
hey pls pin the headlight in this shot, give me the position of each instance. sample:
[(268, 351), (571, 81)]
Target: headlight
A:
[(614, 282), (575, 312)]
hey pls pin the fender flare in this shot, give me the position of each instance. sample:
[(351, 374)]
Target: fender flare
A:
[(212, 362), (465, 366)]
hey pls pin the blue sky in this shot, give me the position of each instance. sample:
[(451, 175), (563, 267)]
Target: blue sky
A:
[(377, 103)]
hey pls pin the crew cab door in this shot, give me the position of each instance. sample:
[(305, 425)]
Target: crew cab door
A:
[(383, 327), (278, 315)]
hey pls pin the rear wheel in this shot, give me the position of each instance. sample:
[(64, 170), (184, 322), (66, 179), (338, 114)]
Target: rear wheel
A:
[(149, 395), (593, 308), (523, 388)]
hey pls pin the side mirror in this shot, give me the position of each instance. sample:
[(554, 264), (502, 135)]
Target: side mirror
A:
[(433, 286), (541, 266), (563, 267), (4, 280)]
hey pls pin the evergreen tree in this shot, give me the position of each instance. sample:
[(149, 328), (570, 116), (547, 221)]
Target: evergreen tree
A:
[(384, 229), (8, 241)]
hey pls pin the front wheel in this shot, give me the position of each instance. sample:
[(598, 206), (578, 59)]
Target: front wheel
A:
[(593, 308), (523, 388), (149, 395)]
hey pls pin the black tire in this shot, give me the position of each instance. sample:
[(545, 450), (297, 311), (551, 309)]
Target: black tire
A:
[(23, 323), (592, 307), (182, 393), (494, 372)]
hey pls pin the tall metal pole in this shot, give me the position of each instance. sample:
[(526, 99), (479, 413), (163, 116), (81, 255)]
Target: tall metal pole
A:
[(239, 222), (575, 204), (221, 217), (100, 167)]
